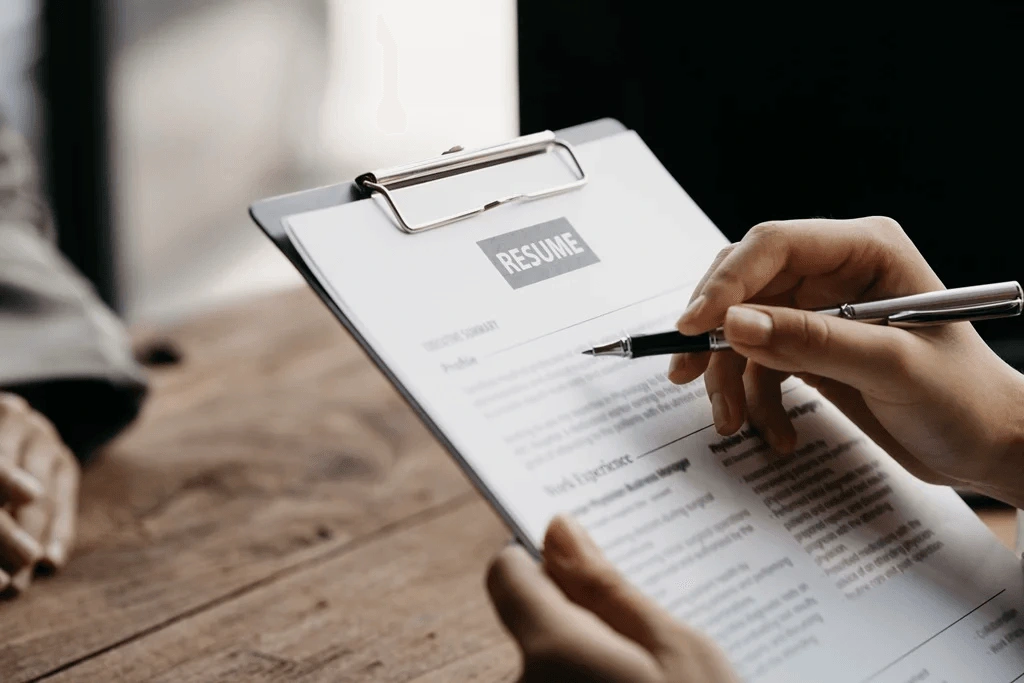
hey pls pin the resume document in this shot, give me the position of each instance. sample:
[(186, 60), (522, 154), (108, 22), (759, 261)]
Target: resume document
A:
[(828, 564)]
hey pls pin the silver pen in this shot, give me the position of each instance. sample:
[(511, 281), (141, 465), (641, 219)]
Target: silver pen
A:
[(982, 302)]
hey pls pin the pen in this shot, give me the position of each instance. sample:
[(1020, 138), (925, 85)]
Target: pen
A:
[(982, 302)]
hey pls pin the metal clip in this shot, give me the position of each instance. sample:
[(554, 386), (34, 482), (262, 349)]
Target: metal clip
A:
[(998, 309), (456, 161)]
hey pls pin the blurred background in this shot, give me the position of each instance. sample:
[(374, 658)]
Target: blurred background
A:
[(158, 121)]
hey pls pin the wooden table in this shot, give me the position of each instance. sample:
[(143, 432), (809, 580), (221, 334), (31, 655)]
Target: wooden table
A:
[(277, 513)]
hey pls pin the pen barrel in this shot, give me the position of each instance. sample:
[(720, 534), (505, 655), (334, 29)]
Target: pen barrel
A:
[(667, 342), (878, 311)]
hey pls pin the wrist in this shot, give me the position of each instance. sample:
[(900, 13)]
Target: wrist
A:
[(1004, 471)]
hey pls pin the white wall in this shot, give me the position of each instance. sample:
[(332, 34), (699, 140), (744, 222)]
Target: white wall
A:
[(238, 99), (411, 78)]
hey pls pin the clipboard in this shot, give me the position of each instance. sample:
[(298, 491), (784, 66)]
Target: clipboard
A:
[(270, 215), (620, 173)]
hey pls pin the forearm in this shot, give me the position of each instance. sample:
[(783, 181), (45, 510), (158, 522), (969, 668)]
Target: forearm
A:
[(22, 205), (1003, 476), (60, 347)]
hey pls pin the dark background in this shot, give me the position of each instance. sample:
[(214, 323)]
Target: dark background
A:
[(770, 112)]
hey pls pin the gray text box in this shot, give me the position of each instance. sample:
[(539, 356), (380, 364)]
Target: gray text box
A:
[(539, 252)]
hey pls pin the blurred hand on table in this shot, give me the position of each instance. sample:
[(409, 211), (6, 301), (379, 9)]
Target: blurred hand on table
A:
[(39, 480)]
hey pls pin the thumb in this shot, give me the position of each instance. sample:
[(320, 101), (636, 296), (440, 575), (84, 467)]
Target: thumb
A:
[(870, 358), (579, 568)]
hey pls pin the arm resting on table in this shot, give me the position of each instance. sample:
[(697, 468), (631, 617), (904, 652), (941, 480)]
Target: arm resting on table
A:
[(60, 347)]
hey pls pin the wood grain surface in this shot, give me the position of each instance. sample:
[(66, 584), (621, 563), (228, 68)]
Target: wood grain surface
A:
[(277, 513)]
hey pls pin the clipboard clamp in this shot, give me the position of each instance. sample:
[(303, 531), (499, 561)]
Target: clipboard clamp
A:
[(457, 161)]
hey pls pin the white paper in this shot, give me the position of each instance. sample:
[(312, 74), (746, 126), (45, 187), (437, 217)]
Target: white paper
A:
[(832, 564)]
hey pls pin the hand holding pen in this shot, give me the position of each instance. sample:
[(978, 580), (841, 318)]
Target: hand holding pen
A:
[(963, 304), (935, 397)]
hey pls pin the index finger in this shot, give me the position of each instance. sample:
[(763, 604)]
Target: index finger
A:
[(686, 367), (806, 248), (65, 512), (18, 486)]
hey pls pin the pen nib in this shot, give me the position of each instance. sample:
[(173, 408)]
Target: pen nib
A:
[(588, 352), (619, 347)]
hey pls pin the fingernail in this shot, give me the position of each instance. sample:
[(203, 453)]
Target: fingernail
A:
[(582, 538), (56, 555), (780, 441), (720, 411), (748, 326), (568, 544), (30, 487), (692, 310), (560, 545)]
